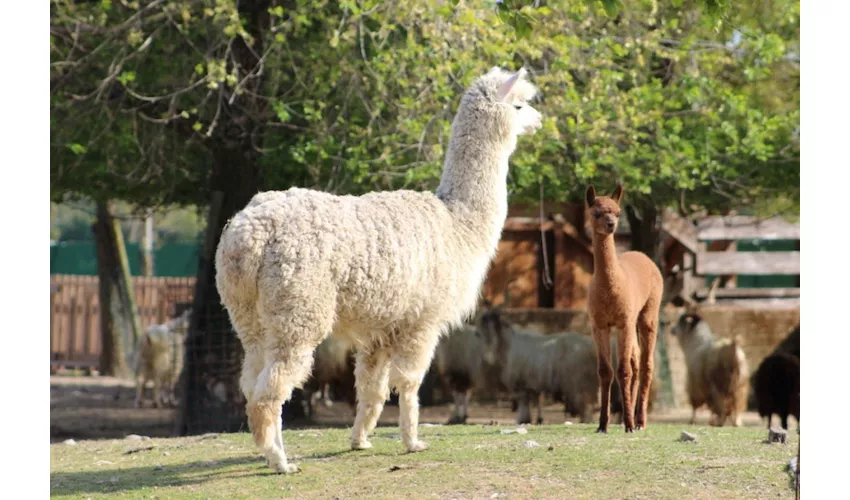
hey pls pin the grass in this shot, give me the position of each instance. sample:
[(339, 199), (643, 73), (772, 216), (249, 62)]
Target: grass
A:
[(471, 461)]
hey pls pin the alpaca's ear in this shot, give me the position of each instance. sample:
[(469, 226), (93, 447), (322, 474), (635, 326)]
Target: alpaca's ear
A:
[(508, 84), (590, 195), (618, 193)]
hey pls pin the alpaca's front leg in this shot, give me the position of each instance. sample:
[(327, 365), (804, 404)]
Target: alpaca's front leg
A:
[(371, 374), (625, 349), (601, 339)]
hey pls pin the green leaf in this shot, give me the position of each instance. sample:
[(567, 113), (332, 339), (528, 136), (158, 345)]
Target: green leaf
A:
[(77, 149), (127, 77)]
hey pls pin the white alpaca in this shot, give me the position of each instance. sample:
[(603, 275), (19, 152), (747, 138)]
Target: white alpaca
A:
[(388, 270)]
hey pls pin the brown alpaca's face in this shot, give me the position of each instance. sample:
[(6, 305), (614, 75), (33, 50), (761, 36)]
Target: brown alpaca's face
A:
[(604, 215), (603, 211)]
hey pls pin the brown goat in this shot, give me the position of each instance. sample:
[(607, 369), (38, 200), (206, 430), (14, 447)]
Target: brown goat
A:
[(625, 293), (717, 370)]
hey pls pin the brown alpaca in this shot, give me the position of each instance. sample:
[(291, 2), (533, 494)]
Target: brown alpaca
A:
[(625, 293)]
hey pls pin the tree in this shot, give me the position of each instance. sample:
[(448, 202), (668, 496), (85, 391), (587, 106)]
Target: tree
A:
[(207, 102)]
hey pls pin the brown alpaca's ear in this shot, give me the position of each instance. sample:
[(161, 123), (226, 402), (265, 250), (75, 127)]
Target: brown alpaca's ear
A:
[(590, 195), (618, 193)]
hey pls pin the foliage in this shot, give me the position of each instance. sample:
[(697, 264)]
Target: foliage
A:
[(359, 95), (73, 222)]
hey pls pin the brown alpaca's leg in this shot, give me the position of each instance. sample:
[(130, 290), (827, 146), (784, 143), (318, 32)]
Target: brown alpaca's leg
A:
[(602, 340), (648, 331), (625, 345), (635, 380)]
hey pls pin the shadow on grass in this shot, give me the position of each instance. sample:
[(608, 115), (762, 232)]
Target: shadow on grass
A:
[(183, 474), (129, 479)]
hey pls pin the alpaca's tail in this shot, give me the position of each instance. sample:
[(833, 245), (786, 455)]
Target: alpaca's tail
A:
[(237, 263)]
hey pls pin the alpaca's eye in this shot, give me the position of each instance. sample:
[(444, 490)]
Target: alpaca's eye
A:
[(516, 106), (597, 215)]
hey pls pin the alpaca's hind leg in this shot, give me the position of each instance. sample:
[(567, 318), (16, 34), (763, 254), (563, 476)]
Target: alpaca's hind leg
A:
[(647, 328), (410, 362), (290, 336), (633, 361), (602, 341), (287, 365), (371, 372)]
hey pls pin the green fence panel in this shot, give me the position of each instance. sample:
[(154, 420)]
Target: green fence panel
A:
[(178, 259)]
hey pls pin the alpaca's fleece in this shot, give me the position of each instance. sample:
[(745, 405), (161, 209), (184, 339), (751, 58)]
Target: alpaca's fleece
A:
[(625, 294), (717, 370), (561, 364), (159, 358), (388, 270), (461, 366)]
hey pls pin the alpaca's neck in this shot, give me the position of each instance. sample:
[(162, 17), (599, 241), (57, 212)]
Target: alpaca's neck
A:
[(606, 266), (474, 181)]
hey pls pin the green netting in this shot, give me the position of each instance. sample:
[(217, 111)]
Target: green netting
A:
[(178, 259)]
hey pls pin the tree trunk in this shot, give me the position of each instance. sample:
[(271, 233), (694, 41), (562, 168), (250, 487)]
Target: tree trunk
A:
[(113, 355), (147, 248), (645, 225), (211, 399)]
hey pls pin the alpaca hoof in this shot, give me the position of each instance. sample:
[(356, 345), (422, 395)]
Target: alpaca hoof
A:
[(361, 445), (286, 468), (417, 446), (539, 420), (601, 430), (630, 430)]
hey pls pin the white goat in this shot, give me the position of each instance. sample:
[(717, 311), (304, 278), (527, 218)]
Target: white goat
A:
[(390, 270), (534, 364), (159, 358)]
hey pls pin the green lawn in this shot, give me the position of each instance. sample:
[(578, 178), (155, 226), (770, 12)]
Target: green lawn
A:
[(472, 461)]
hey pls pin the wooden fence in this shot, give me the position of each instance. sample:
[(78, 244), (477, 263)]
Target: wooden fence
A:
[(75, 336)]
